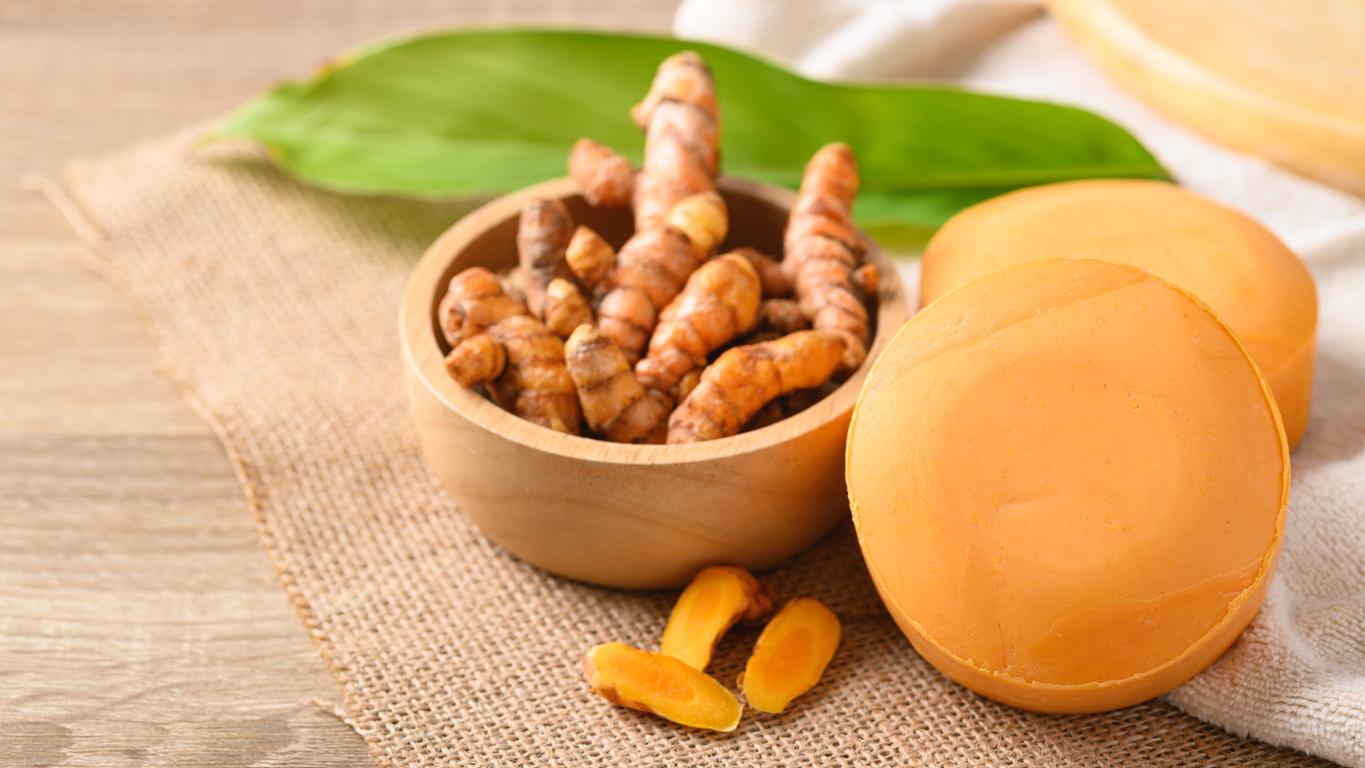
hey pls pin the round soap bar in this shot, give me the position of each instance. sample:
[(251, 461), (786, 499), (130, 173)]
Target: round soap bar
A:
[(1069, 484), (1236, 266)]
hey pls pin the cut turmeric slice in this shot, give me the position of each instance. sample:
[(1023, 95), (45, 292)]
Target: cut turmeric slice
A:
[(718, 597), (661, 685), (790, 655)]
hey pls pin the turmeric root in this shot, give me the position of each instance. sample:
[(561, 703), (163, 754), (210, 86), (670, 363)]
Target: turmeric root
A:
[(703, 217), (719, 303), (824, 248), (615, 405), (603, 175), (474, 300), (590, 257), (661, 685), (743, 379), (717, 598), (776, 285), (677, 80), (687, 383), (791, 654), (565, 307), (867, 280), (477, 360), (783, 316), (681, 136), (495, 341), (650, 270), (543, 235), (513, 283)]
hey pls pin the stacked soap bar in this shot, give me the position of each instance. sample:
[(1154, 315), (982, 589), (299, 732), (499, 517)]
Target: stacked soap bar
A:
[(1068, 472)]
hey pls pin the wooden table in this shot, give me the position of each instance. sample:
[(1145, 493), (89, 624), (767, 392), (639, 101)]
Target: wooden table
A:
[(140, 622)]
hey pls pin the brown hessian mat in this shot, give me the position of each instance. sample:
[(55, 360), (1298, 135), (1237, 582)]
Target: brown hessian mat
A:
[(275, 307)]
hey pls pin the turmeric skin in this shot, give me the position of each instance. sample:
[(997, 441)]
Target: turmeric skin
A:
[(474, 300), (513, 283), (823, 249), (743, 379), (687, 383), (477, 360), (782, 316), (565, 307), (543, 234), (681, 134), (615, 405), (661, 685), (495, 341), (867, 280), (703, 217), (657, 263), (719, 304), (776, 285), (604, 177), (650, 270), (589, 257), (716, 599)]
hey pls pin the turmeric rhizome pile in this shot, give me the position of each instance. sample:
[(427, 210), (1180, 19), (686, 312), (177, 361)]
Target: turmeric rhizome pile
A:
[(668, 340), (1069, 484)]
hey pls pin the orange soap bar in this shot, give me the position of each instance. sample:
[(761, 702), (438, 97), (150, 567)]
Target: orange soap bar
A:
[(1069, 484), (1247, 276)]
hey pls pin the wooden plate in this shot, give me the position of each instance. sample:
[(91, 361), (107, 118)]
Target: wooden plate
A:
[(1282, 79)]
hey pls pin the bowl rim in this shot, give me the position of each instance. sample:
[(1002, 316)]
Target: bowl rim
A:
[(422, 354)]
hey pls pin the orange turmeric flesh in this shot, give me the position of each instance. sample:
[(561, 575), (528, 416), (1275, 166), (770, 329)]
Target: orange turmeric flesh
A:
[(718, 597), (661, 685), (1069, 483), (790, 655)]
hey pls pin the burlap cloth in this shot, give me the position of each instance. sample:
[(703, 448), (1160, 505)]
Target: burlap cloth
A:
[(276, 309)]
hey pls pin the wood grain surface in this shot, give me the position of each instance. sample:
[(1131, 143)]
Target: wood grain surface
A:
[(1280, 79), (140, 621)]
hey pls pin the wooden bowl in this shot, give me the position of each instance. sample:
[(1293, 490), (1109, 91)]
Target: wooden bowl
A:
[(637, 516)]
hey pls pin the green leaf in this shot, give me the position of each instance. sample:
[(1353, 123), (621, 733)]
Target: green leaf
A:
[(488, 111)]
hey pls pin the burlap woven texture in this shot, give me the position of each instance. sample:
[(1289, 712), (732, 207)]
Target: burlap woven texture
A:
[(276, 308)]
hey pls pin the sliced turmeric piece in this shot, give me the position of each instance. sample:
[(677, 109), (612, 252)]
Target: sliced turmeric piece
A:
[(661, 685), (790, 655), (718, 597)]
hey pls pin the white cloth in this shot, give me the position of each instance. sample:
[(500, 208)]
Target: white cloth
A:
[(1297, 676)]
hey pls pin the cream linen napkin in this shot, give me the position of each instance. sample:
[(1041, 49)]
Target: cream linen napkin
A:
[(1297, 676)]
